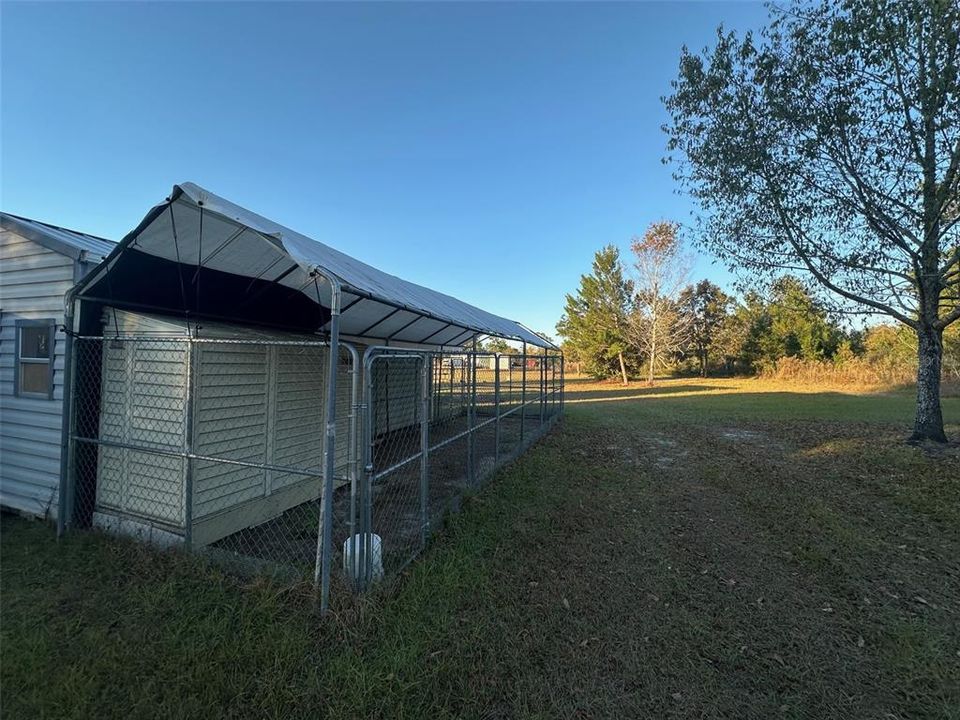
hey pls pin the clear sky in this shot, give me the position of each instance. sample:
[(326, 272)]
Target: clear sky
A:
[(485, 150)]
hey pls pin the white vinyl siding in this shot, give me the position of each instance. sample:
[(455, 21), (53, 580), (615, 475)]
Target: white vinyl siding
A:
[(230, 421), (143, 403), (33, 284), (300, 381), (396, 394), (253, 403)]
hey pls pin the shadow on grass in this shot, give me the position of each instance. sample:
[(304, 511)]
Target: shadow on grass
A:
[(645, 406), (578, 392)]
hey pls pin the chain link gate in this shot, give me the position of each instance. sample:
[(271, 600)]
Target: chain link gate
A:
[(436, 426), (214, 445), (392, 507)]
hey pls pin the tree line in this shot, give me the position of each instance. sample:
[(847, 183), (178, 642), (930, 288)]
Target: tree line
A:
[(828, 143), (642, 319)]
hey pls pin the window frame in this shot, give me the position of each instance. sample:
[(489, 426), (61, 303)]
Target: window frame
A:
[(18, 361)]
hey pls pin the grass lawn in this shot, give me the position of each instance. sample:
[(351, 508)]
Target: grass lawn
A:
[(702, 548)]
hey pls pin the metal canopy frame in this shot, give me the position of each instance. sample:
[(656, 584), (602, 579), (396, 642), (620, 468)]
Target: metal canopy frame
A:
[(271, 248), (160, 236)]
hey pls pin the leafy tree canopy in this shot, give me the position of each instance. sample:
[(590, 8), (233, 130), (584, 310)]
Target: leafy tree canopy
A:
[(830, 144)]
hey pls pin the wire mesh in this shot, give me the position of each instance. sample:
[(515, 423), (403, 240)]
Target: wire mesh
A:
[(218, 445), (476, 411)]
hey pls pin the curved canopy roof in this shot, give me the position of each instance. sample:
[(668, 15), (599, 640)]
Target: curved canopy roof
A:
[(221, 240)]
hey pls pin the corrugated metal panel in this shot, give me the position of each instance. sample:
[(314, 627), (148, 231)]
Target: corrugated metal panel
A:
[(33, 282), (96, 246)]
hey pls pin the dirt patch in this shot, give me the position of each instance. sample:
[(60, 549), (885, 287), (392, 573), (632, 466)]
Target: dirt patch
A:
[(649, 449), (755, 438)]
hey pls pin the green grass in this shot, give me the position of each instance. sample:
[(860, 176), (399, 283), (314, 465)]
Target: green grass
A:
[(721, 548)]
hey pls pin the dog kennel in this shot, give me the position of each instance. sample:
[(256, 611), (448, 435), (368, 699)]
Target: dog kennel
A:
[(238, 387)]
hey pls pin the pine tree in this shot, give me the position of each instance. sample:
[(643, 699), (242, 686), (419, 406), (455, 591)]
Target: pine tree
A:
[(594, 322)]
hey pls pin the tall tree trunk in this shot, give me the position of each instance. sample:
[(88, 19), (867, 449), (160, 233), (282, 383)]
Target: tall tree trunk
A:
[(653, 355), (623, 368), (703, 363), (929, 421)]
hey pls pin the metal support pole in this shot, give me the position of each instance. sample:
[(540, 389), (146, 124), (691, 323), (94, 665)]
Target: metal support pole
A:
[(523, 393), (471, 413), (424, 451), (543, 386), (554, 398), (188, 446), (496, 409), (65, 495), (355, 461), (361, 563), (325, 529), (563, 382)]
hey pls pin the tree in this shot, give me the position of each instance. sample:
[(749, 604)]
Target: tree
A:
[(536, 349), (595, 319), (832, 146), (890, 346), (705, 306), (571, 355), (658, 327), (498, 345), (799, 325)]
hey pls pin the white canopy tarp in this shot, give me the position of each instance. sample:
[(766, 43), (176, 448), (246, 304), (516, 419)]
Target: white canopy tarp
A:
[(196, 227)]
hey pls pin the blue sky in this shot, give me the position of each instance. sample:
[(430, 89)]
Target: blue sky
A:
[(485, 150)]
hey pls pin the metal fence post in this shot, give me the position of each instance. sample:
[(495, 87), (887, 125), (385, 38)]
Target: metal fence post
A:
[(354, 458), (188, 444), (563, 383), (424, 451), (554, 398), (363, 560), (523, 393), (543, 386), (471, 412), (325, 529), (496, 409), (64, 500)]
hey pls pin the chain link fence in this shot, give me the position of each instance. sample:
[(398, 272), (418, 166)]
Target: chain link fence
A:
[(437, 427), (218, 446)]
